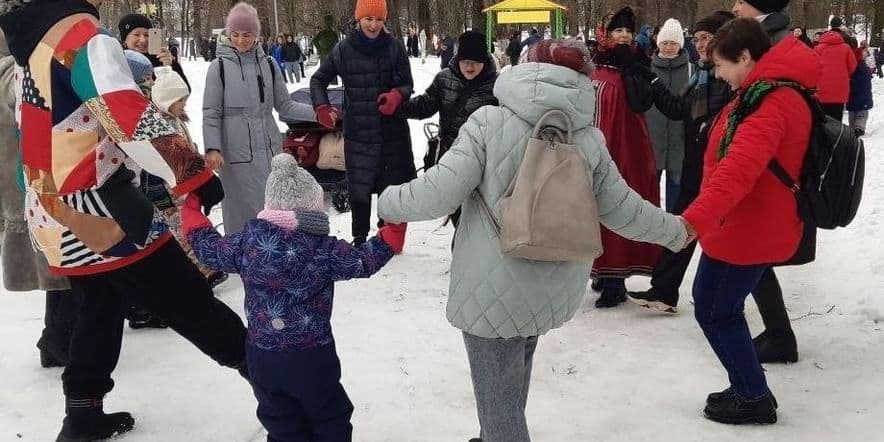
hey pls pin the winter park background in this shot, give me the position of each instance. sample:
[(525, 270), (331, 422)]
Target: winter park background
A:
[(624, 374)]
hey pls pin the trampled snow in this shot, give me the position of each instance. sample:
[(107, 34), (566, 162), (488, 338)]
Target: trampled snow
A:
[(624, 374)]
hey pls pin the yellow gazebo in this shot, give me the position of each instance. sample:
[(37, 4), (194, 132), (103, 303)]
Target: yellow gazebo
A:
[(524, 11)]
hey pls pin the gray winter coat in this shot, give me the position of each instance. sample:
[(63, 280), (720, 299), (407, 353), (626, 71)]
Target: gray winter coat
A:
[(667, 135), (238, 121), (491, 295), (23, 268)]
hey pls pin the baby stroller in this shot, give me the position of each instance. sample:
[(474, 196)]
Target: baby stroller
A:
[(303, 140)]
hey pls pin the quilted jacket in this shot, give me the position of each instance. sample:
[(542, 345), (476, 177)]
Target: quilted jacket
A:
[(491, 295)]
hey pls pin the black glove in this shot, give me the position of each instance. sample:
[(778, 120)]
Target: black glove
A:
[(624, 56), (642, 71), (211, 193)]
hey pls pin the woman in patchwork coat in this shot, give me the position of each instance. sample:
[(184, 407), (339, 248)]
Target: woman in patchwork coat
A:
[(501, 304)]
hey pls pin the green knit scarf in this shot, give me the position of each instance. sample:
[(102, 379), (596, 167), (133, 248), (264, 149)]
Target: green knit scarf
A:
[(747, 102)]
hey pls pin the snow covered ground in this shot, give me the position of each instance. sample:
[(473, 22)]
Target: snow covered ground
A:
[(609, 375)]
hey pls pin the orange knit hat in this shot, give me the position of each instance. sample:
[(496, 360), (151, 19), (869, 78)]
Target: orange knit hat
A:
[(371, 8)]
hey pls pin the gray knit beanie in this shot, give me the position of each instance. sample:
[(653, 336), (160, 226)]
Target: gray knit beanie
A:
[(290, 187)]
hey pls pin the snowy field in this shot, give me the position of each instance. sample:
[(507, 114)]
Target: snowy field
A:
[(625, 374)]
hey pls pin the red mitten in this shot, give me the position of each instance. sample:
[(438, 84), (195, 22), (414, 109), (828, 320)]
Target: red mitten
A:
[(192, 217), (394, 236), (389, 102), (327, 115)]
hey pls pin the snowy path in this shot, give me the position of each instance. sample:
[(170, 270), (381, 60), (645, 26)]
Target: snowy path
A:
[(618, 375)]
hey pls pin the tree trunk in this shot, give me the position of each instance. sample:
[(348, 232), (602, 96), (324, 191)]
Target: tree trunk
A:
[(197, 26), (572, 18), (878, 25)]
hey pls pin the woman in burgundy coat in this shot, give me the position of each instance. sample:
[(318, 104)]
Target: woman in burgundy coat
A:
[(623, 97)]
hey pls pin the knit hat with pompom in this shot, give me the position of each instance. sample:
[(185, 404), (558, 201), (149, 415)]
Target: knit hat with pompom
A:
[(290, 187)]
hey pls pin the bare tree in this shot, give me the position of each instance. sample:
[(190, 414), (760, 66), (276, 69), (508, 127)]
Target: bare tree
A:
[(878, 24)]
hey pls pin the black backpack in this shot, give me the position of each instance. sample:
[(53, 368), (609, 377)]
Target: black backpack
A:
[(830, 187)]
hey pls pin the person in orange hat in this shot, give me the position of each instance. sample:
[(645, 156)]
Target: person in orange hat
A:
[(377, 80)]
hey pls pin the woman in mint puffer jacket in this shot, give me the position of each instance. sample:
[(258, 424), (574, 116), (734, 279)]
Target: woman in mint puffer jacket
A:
[(502, 304)]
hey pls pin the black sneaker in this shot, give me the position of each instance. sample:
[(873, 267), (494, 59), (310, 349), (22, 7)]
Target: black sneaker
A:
[(717, 398), (776, 347), (611, 298), (735, 411), (358, 241), (649, 299)]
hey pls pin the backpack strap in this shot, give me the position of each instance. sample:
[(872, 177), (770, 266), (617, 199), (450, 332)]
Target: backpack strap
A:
[(541, 126), (270, 63), (816, 114), (221, 72), (777, 169)]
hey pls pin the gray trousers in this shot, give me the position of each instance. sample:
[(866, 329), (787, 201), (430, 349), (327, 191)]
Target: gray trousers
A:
[(858, 119), (501, 373)]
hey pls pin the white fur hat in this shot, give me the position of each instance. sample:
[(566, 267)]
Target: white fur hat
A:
[(671, 31), (168, 88)]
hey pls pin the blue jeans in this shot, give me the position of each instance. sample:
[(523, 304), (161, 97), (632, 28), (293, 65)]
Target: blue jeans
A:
[(720, 291)]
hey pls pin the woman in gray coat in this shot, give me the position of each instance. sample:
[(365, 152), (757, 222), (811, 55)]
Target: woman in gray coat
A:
[(241, 136), (501, 304), (672, 65), (24, 269)]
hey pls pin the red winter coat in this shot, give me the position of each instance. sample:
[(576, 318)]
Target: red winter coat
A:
[(744, 214), (838, 64)]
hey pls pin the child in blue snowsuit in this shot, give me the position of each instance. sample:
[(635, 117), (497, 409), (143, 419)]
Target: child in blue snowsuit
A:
[(289, 264)]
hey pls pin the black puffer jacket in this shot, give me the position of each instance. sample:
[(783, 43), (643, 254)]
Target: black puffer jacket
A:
[(377, 148), (697, 106), (443, 94)]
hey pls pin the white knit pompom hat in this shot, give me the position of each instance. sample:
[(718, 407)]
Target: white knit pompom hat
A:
[(671, 31)]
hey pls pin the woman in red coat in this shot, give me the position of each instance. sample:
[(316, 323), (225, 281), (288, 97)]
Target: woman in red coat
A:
[(745, 217), (838, 64), (623, 97)]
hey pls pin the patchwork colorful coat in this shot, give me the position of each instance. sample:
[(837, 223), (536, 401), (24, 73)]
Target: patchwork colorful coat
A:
[(86, 132)]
